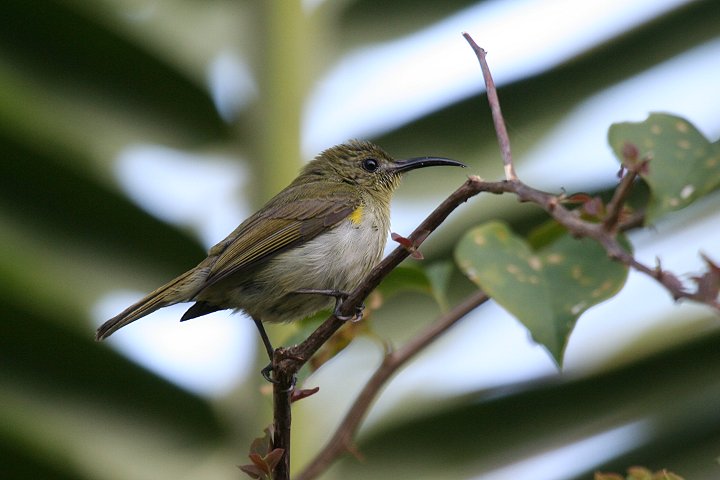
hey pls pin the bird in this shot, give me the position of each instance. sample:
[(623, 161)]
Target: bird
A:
[(308, 245)]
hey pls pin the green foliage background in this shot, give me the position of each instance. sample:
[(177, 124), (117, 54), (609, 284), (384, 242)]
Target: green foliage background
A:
[(78, 82)]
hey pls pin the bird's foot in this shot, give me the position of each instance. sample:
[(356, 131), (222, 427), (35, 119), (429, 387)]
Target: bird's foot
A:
[(340, 297), (356, 317), (266, 372)]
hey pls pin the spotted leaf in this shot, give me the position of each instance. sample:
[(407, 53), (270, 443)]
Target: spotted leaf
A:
[(682, 164), (547, 290)]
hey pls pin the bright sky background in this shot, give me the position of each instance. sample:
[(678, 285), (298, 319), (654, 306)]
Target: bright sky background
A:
[(392, 83), (210, 356)]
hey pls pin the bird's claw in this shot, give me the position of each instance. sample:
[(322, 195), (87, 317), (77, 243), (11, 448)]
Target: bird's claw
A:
[(357, 316), (266, 373)]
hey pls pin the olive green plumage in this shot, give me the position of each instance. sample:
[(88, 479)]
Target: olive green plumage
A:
[(324, 231)]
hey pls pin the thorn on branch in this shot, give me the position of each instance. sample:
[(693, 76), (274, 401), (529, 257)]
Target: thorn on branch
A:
[(576, 198), (708, 284), (669, 280), (299, 394), (657, 271), (673, 284), (408, 245)]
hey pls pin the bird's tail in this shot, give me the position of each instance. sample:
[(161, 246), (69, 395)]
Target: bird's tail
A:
[(180, 289)]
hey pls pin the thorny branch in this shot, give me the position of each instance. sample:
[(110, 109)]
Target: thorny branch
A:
[(288, 361)]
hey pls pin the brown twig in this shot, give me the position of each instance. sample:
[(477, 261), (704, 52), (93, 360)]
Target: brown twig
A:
[(282, 419), (494, 101), (341, 441), (615, 205)]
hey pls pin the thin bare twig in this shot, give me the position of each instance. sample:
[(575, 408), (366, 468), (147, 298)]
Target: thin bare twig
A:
[(494, 101), (615, 205)]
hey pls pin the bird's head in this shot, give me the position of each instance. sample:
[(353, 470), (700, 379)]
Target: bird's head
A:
[(366, 165)]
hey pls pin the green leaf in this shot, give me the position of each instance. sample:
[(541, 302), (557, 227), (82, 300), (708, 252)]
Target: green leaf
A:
[(683, 164), (545, 234), (432, 280), (439, 275), (405, 278), (546, 290)]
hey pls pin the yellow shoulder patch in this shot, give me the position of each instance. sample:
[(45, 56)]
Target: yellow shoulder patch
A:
[(357, 214)]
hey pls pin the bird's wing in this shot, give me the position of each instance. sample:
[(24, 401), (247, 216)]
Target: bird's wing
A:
[(278, 227)]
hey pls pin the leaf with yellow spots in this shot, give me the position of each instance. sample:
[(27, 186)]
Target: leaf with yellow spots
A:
[(683, 165), (547, 290)]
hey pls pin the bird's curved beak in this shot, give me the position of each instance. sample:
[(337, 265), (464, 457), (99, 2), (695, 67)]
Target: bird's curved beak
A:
[(421, 162)]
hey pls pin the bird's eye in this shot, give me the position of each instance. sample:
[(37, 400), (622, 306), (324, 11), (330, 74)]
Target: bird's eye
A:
[(370, 164)]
